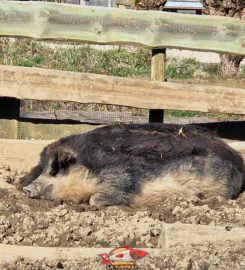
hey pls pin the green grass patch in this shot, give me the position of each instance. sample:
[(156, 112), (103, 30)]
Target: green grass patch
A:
[(190, 68), (175, 113), (116, 62)]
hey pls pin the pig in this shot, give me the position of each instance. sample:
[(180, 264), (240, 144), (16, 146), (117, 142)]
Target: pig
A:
[(136, 165)]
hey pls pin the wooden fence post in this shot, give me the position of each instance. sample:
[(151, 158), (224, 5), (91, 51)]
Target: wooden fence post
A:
[(158, 61), (9, 117)]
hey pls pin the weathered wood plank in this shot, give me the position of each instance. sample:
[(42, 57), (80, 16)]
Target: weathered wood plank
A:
[(44, 84), (49, 131), (105, 118), (21, 154), (9, 128), (183, 234), (11, 253), (94, 117), (152, 29)]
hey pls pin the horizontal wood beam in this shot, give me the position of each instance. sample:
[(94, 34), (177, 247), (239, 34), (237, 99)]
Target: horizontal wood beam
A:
[(11, 253), (45, 84), (21, 154), (176, 234), (151, 29), (48, 131)]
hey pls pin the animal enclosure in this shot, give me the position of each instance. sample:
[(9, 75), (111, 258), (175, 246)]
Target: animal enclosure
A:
[(43, 223)]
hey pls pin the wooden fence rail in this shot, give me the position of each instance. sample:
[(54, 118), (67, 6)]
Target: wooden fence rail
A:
[(46, 84), (151, 29)]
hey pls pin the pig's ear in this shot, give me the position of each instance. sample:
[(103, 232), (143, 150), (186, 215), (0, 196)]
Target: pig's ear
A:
[(66, 158), (62, 159)]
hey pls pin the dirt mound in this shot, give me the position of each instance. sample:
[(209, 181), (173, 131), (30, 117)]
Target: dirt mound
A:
[(24, 221)]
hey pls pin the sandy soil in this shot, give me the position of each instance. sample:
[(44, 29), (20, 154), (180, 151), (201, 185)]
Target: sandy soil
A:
[(43, 223)]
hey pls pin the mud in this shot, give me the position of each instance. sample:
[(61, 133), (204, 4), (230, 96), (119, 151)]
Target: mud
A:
[(25, 221)]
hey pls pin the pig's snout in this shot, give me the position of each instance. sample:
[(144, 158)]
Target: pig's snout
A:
[(31, 191), (39, 190)]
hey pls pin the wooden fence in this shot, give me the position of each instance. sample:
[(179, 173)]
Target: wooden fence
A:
[(154, 30), (151, 29)]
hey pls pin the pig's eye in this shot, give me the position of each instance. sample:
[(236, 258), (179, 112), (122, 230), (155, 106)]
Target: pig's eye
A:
[(54, 168)]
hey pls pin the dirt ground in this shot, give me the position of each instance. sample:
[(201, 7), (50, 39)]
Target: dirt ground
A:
[(24, 221)]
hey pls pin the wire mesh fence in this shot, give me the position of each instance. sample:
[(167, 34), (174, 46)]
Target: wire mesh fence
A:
[(52, 120)]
